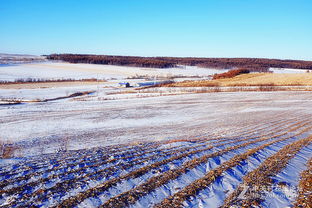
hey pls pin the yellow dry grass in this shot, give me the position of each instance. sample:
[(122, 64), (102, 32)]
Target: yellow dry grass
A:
[(257, 79)]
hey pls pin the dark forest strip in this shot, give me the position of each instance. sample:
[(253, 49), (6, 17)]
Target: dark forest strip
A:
[(253, 64)]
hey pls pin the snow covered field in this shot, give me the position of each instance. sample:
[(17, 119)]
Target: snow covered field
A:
[(63, 71), (288, 70), (115, 148), (75, 139), (59, 70), (124, 120)]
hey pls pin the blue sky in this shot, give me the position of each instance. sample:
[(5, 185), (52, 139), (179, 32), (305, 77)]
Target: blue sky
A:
[(210, 28)]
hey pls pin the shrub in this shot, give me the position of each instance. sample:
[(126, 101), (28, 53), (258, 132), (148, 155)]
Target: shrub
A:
[(231, 73)]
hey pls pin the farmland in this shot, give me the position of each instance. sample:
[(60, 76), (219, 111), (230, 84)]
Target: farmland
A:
[(155, 104), (258, 79), (76, 143), (119, 153)]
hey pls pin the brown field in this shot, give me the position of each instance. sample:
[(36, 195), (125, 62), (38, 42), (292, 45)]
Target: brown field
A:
[(258, 79)]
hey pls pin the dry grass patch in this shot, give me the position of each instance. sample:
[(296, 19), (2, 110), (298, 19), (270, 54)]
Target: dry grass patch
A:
[(231, 73), (305, 187), (256, 79)]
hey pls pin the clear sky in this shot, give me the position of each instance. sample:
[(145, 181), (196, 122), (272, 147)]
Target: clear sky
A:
[(205, 28)]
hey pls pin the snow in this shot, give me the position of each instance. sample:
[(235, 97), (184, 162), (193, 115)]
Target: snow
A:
[(287, 70), (43, 93), (215, 194), (91, 121), (105, 122), (60, 70), (113, 116), (285, 196)]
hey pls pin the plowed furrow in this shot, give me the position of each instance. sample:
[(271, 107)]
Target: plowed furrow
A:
[(135, 161), (79, 160), (64, 160), (255, 182), (304, 199), (67, 158), (97, 190), (21, 188), (43, 194), (178, 198), (61, 187)]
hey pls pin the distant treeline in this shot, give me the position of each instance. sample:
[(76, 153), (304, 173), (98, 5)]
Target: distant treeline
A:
[(252, 64), (114, 60)]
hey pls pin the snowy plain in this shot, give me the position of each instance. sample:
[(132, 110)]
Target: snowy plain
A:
[(61, 70), (66, 140)]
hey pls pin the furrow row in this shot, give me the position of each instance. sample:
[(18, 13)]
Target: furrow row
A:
[(130, 197), (304, 199), (259, 180), (109, 151), (20, 188), (76, 182), (177, 199), (91, 192)]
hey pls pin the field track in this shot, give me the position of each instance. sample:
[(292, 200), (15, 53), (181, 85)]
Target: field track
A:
[(159, 174)]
